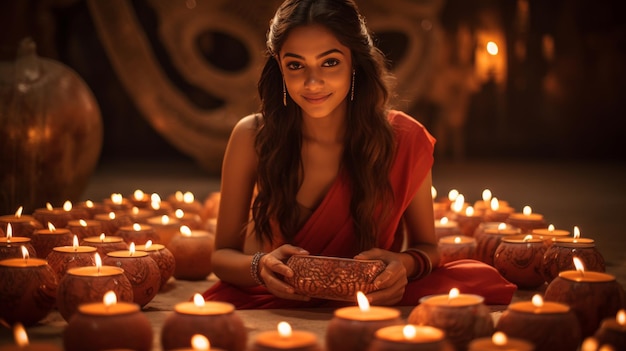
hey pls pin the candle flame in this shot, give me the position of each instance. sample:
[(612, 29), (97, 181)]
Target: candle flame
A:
[(165, 219), (589, 344), (527, 210), (188, 197), (284, 329), (486, 195), (576, 232), (98, 261), (198, 300), (409, 331), (579, 265), (494, 204), (89, 203), (111, 215), (82, 222), (551, 228), (184, 230), (102, 236), (453, 294), (138, 194), (18, 213), (499, 338), (492, 48), (178, 195), (25, 254), (20, 336), (148, 244), (444, 220), (502, 226), (134, 210), (621, 317), (51, 227), (200, 342), (528, 238), (116, 198), (433, 192), (469, 211), (9, 232), (109, 298), (75, 243), (457, 239), (179, 213), (156, 205), (453, 194), (537, 300), (136, 227), (67, 206), (458, 203), (131, 249), (49, 206), (364, 304)]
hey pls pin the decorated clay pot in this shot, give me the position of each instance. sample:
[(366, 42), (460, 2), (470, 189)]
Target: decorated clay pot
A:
[(454, 248), (112, 221), (63, 258), (332, 277), (164, 259), (28, 290), (560, 255), (192, 254), (138, 234), (84, 228), (22, 225), (44, 240), (105, 244), (520, 260), (488, 241), (13, 249), (142, 272), (352, 329)]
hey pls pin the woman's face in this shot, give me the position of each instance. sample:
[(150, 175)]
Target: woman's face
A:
[(317, 70)]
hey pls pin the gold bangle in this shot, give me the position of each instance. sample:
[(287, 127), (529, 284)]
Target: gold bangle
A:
[(422, 260)]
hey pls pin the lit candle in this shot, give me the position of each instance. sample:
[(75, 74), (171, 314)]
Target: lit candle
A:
[(92, 208), (44, 240), (140, 215), (353, 327), (23, 344), (138, 233), (23, 225), (108, 325), (469, 220), (105, 244), (140, 269), (520, 260), (117, 202), (11, 247), (192, 250), (112, 221), (457, 206), (165, 226), (190, 219), (163, 257), (612, 331), (498, 210), (463, 317), (199, 342), (409, 338), (483, 205), (59, 216), (592, 296), (526, 221), (284, 338), (140, 199), (499, 341), (84, 227), (446, 227), (185, 201), (63, 258), (159, 207), (217, 320), (453, 248), (559, 256), (28, 289), (489, 239), (550, 234), (548, 325), (89, 284)]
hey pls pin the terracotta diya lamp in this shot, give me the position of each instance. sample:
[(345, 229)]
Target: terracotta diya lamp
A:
[(192, 250), (498, 211), (199, 342), (488, 241), (520, 260), (140, 199), (469, 221), (59, 216), (286, 339), (117, 203), (91, 208), (44, 240), (167, 227), (28, 289), (185, 201), (105, 244), (454, 248), (22, 225), (84, 228), (526, 221), (112, 221), (138, 233), (140, 215), (548, 325), (23, 344), (332, 278), (410, 338), (190, 219), (63, 258), (108, 325), (140, 269), (463, 317), (353, 327), (549, 234), (159, 207), (163, 257), (11, 247), (559, 256), (89, 284), (216, 320), (499, 341), (446, 227), (592, 296), (612, 331)]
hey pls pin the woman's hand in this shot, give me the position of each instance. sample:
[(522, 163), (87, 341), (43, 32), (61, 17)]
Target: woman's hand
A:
[(273, 264), (391, 282)]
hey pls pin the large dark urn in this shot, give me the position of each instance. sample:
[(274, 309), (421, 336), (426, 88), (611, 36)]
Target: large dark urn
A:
[(50, 132)]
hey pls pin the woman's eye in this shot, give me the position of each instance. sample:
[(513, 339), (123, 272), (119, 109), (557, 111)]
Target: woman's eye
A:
[(330, 63), (294, 65)]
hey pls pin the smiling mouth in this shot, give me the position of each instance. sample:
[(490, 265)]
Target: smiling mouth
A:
[(316, 99)]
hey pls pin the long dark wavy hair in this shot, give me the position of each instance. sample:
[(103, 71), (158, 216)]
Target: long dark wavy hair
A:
[(369, 141)]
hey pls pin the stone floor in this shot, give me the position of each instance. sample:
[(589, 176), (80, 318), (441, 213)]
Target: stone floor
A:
[(590, 195)]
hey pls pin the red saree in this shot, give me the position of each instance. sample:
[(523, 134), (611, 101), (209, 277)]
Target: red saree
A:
[(329, 232)]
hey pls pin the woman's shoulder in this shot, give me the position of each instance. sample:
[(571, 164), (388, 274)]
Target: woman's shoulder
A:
[(406, 125)]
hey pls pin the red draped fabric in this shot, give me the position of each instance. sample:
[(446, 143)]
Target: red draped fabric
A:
[(329, 232)]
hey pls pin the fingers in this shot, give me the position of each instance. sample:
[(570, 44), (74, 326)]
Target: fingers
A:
[(272, 265)]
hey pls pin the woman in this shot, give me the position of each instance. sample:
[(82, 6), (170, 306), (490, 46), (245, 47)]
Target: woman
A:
[(326, 168)]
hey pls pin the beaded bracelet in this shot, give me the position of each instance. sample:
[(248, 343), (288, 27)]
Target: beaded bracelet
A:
[(254, 268), (422, 261)]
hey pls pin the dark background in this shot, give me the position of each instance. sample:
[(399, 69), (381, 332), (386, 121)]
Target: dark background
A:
[(583, 122)]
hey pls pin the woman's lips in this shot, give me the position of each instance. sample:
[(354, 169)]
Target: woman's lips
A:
[(316, 99)]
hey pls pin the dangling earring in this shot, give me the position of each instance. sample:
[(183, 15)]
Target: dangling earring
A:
[(352, 90), (284, 94)]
